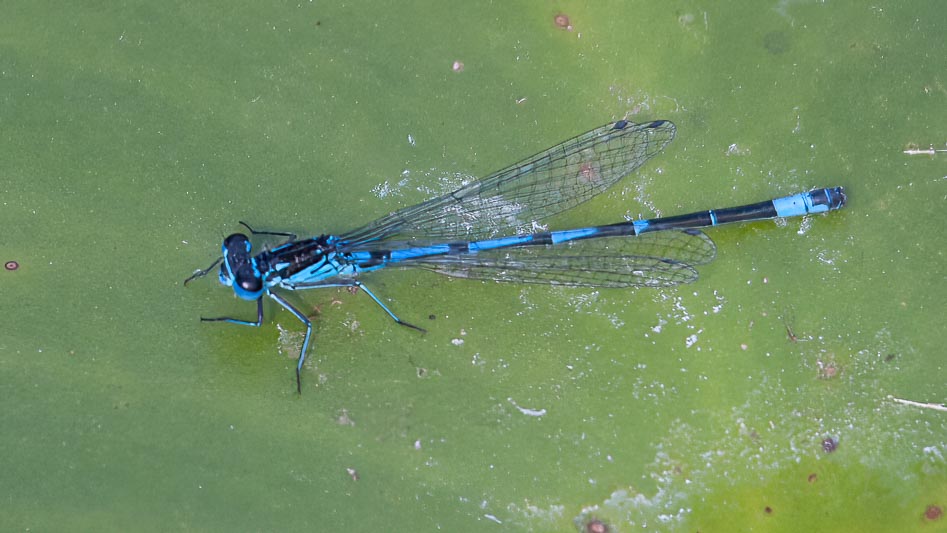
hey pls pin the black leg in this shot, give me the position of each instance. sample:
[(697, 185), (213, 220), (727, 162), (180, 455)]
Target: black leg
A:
[(202, 273), (290, 237), (302, 353), (259, 317)]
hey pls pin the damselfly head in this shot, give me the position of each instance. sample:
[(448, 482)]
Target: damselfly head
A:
[(239, 269)]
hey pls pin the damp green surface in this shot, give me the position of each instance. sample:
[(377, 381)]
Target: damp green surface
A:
[(763, 397)]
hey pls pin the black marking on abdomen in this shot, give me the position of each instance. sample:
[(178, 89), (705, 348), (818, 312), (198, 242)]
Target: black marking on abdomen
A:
[(377, 257), (458, 248)]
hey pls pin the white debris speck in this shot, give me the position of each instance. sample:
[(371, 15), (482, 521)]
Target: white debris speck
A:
[(735, 149), (691, 340), (660, 326), (525, 411)]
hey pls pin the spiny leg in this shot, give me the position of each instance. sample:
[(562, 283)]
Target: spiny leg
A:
[(359, 285), (290, 236), (259, 317), (394, 317), (302, 353), (202, 273), (302, 317)]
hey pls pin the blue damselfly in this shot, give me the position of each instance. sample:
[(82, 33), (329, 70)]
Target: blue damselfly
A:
[(487, 230)]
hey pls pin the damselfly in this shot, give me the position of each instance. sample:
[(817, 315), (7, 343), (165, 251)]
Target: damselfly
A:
[(487, 230)]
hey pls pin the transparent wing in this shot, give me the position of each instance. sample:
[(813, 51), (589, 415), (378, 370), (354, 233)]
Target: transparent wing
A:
[(658, 259), (511, 200)]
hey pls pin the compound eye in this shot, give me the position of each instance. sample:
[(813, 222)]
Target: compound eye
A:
[(249, 281), (237, 243)]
